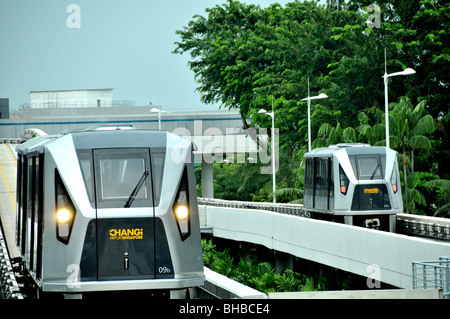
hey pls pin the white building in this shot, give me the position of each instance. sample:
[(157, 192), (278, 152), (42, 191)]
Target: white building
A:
[(71, 98)]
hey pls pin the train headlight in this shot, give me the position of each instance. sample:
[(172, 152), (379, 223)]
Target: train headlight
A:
[(181, 208), (394, 180), (343, 181), (65, 211), (63, 216), (182, 212)]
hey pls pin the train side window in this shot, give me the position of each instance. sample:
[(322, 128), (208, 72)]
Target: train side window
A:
[(325, 172), (19, 198), (343, 181), (309, 171), (29, 234), (24, 188), (330, 166), (36, 198), (39, 212), (85, 161), (158, 158), (318, 175)]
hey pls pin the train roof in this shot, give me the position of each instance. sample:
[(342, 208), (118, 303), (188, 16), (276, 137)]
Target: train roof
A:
[(101, 139), (119, 138), (350, 148)]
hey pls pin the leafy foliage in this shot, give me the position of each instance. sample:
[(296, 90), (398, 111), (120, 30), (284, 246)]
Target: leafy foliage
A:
[(248, 57), (261, 276)]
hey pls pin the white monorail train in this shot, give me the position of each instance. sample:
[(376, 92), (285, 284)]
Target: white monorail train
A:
[(356, 184), (108, 211)]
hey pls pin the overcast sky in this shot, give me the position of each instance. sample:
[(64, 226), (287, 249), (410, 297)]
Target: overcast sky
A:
[(125, 45)]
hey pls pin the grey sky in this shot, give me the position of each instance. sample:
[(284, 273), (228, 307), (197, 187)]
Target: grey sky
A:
[(125, 45)]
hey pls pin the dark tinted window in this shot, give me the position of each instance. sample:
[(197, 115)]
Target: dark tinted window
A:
[(117, 174), (367, 166)]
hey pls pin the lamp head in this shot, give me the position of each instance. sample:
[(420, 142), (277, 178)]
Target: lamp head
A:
[(408, 71)]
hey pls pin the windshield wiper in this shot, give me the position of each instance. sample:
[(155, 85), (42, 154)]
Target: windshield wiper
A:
[(136, 189), (376, 169)]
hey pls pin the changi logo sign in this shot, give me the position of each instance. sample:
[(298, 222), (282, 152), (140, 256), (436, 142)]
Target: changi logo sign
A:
[(370, 190), (126, 233)]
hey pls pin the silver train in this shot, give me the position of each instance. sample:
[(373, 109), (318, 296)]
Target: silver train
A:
[(355, 184), (107, 211)]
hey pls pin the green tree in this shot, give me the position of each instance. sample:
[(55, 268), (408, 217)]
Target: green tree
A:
[(443, 199), (408, 129), (416, 34), (329, 135), (224, 55), (243, 56), (246, 57)]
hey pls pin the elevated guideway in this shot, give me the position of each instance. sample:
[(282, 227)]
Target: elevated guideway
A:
[(382, 256), (8, 169)]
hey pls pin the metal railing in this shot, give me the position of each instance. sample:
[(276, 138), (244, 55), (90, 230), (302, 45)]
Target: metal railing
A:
[(11, 140), (425, 226), (432, 274), (289, 209)]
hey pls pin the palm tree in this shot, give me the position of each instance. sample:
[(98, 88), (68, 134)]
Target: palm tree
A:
[(443, 203), (408, 127), (328, 135)]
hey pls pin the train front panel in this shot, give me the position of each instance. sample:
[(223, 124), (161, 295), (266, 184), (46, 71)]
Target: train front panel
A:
[(119, 213)]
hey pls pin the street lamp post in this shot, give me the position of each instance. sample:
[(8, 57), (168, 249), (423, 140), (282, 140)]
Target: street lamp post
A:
[(407, 71), (159, 110), (318, 97), (272, 115)]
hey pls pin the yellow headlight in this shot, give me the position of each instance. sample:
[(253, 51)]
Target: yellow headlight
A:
[(182, 212), (63, 215)]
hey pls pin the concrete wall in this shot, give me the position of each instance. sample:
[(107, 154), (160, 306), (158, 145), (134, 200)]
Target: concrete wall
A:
[(361, 294), (71, 98)]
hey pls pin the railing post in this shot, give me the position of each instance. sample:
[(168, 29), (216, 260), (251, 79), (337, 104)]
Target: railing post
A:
[(447, 280), (424, 277)]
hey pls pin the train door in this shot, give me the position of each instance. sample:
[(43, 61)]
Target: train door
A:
[(330, 184), (308, 196), (30, 213), (321, 183), (123, 187)]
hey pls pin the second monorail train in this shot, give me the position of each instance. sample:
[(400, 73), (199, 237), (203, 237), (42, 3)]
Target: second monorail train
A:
[(356, 184)]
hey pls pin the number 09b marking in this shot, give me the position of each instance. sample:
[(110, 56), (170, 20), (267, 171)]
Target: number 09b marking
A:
[(164, 270)]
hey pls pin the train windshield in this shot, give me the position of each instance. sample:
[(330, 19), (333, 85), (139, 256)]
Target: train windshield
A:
[(118, 177), (122, 177), (367, 167)]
